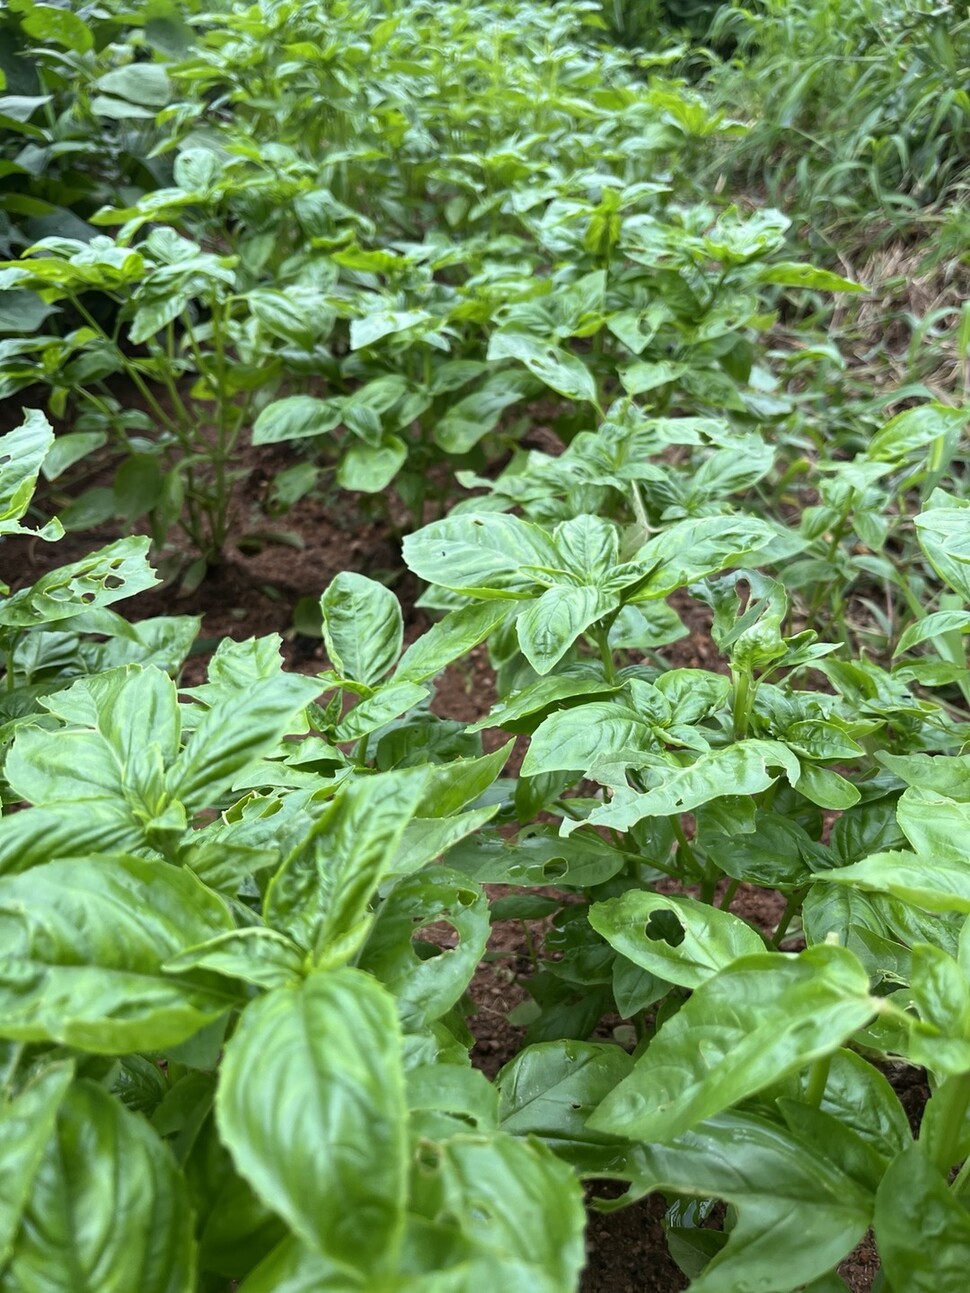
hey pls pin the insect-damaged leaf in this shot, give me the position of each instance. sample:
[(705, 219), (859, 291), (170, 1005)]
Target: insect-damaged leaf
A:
[(676, 938), (762, 1017)]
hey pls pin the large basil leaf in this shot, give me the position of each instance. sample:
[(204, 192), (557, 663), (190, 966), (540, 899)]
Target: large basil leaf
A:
[(798, 1213), (26, 1125), (108, 1212), (83, 944), (763, 1017), (311, 1105)]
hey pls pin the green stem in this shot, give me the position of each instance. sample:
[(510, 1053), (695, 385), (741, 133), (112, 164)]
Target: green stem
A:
[(791, 907), (684, 848), (728, 896), (602, 636), (961, 1178), (130, 368), (13, 1063), (818, 1076)]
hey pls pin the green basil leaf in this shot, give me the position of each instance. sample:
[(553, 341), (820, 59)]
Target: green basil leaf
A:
[(743, 1029), (108, 1211), (449, 638), (26, 1126), (928, 882), (479, 1194), (549, 626), (336, 1172), (235, 733), (296, 418), (922, 1230), (550, 1089), (561, 371), (789, 1195), (83, 944), (490, 554), (362, 627), (679, 939)]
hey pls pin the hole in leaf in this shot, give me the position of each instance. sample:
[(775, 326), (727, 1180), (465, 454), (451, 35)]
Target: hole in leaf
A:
[(434, 939), (664, 927), (113, 581), (554, 868), (4, 459), (428, 1157)]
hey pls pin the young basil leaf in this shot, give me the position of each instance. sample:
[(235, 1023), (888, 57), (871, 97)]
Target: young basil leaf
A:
[(22, 455), (322, 893), (255, 955), (233, 734), (449, 638), (563, 372), (549, 626), (362, 627), (337, 1174), (426, 839)]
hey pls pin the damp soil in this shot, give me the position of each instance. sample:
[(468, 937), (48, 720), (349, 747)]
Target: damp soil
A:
[(257, 590)]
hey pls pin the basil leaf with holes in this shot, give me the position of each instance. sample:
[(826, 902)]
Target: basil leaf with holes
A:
[(762, 1017)]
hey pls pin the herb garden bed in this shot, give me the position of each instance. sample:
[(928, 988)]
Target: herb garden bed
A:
[(517, 839)]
